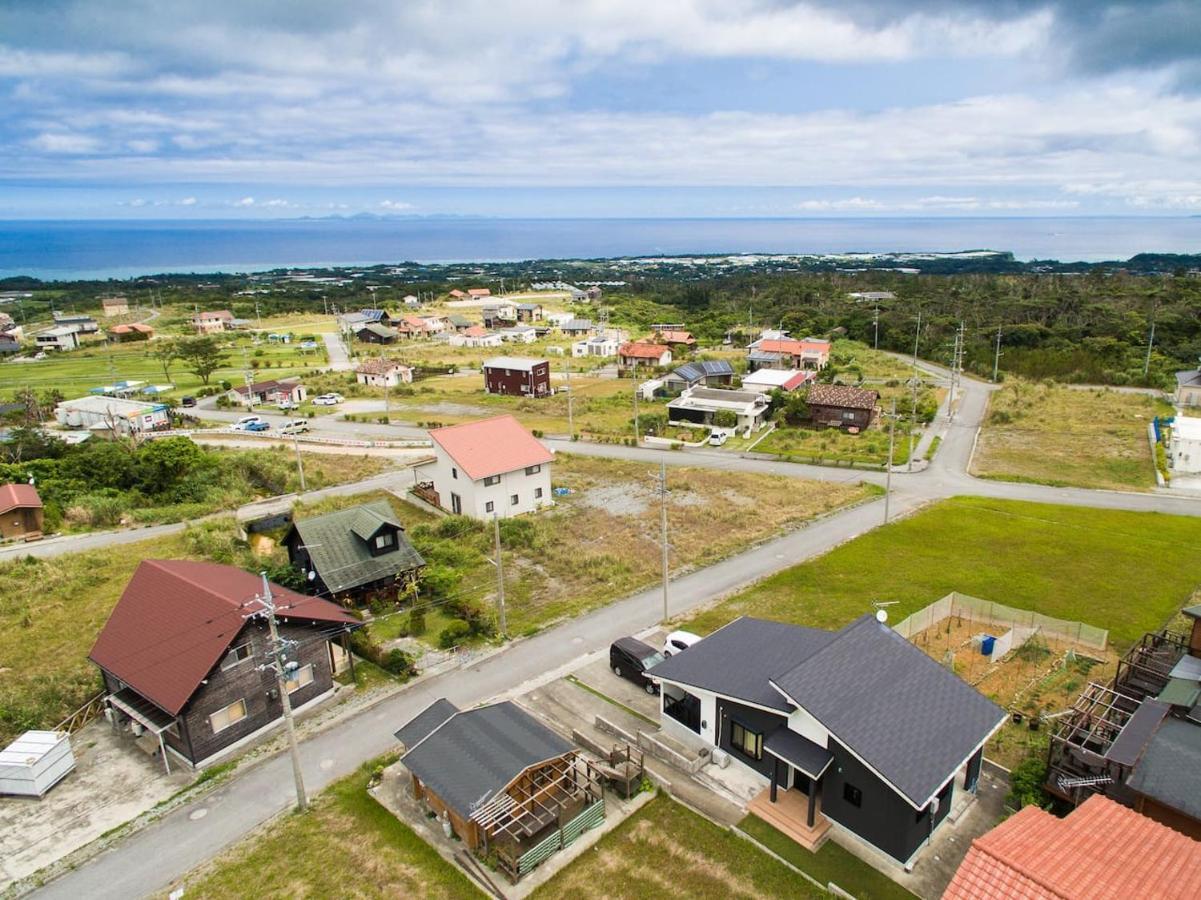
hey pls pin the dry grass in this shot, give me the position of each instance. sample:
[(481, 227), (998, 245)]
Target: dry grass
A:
[(664, 850), (601, 542), (1051, 434), (346, 845)]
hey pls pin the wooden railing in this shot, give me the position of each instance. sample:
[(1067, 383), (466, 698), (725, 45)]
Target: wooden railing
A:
[(83, 715)]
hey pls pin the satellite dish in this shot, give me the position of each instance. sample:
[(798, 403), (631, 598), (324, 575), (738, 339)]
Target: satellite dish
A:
[(881, 616)]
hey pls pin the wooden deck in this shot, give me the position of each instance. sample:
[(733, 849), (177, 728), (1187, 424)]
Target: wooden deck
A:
[(789, 815)]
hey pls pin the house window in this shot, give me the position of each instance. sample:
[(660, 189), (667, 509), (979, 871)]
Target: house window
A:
[(236, 655), (537, 493), (489, 506), (454, 473), (852, 794), (230, 715), (383, 540), (513, 500), (491, 480), (533, 470), (300, 678), (848, 414), (748, 743)]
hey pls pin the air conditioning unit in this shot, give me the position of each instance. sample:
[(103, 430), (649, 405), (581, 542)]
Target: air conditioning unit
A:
[(721, 758)]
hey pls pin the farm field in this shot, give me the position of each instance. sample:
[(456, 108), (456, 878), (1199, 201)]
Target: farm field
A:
[(346, 845), (1074, 563), (665, 850), (1051, 434), (832, 446)]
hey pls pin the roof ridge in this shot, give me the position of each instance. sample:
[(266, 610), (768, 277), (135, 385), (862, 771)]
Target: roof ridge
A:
[(160, 564)]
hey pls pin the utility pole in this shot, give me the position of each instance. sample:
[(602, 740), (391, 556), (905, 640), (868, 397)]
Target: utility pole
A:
[(1150, 344), (917, 336), (299, 462), (892, 424), (663, 529), (282, 667), (500, 580), (387, 393), (636, 438), (996, 357), (876, 327), (570, 399), (912, 419), (249, 379), (257, 314)]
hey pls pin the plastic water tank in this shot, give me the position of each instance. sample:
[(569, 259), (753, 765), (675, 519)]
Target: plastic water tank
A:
[(721, 758), (986, 644)]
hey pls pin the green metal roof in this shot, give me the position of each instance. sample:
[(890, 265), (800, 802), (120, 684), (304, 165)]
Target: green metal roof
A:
[(1193, 611), (337, 543), (1180, 692)]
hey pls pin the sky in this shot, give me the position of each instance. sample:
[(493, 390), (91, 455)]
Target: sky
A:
[(153, 109)]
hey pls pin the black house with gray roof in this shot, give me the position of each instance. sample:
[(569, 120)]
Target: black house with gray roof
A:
[(353, 553), (871, 732)]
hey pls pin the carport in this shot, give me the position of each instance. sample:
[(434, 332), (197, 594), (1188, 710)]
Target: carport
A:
[(146, 714)]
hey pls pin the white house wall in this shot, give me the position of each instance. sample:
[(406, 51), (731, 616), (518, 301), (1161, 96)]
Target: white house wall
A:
[(475, 495), (806, 726)]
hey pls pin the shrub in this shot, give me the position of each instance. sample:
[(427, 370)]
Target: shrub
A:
[(725, 418), (398, 663), (1026, 783), (453, 634), (417, 620)]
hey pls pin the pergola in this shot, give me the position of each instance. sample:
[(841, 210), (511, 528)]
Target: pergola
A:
[(523, 816), (146, 714)]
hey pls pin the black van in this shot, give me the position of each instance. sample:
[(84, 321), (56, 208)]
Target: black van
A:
[(631, 658)]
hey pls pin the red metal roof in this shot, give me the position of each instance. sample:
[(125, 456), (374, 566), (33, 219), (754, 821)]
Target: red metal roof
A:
[(18, 496), (640, 350), (676, 337), (480, 292), (177, 618), (1100, 850), (491, 446)]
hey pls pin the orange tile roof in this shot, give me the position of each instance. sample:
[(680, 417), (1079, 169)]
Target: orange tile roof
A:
[(480, 292), (1100, 851), (676, 337), (642, 351), (491, 446), (475, 331)]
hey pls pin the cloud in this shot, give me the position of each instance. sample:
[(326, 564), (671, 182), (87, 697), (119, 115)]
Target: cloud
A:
[(245, 201), (64, 142), (860, 204), (395, 205), (188, 201)]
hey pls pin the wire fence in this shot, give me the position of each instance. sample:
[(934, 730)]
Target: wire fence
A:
[(973, 609)]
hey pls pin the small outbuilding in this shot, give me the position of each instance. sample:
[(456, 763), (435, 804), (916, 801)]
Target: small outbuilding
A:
[(35, 762), (841, 406), (20, 512)]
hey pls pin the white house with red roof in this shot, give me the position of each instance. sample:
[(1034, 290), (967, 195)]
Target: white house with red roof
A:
[(490, 468)]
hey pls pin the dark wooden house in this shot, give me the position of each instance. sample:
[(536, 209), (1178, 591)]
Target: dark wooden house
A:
[(375, 333), (517, 376), (841, 406), (355, 553), (182, 654), (506, 783)]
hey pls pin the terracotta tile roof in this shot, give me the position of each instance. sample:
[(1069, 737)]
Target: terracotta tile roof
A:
[(491, 446), (132, 326), (223, 314), (457, 293), (640, 350), (18, 496), (378, 366), (1100, 850), (841, 395), (475, 331), (480, 292), (676, 337), (177, 618)]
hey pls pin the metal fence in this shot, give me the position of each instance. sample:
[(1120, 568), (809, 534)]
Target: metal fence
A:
[(973, 609)]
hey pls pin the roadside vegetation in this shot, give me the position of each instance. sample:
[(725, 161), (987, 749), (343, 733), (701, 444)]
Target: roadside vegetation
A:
[(665, 850), (1075, 563), (101, 484), (346, 845), (1050, 434)]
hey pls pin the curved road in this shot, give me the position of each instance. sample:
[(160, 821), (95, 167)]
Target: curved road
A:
[(151, 859)]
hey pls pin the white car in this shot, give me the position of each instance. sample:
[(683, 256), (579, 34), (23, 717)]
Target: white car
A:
[(717, 438), (328, 400), (244, 422), (679, 640), (296, 426)]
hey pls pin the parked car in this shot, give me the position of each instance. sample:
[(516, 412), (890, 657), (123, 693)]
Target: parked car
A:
[(286, 404), (630, 658), (243, 423), (679, 640), (717, 438), (258, 426), (296, 426), (187, 401), (328, 400)]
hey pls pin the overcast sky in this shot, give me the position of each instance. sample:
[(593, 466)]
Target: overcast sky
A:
[(223, 108)]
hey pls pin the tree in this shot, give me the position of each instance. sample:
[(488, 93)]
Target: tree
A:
[(203, 356), (166, 352), (25, 442), (725, 418)]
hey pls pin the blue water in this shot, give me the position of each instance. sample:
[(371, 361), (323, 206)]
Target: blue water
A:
[(122, 249)]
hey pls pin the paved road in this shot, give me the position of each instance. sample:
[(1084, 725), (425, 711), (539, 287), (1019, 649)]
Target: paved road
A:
[(151, 859), (339, 356)]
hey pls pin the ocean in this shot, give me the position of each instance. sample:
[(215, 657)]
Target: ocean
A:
[(63, 250)]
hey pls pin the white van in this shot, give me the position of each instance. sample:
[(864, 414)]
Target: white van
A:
[(296, 426)]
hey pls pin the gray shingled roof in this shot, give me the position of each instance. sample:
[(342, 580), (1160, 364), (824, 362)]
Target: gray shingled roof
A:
[(797, 750), (337, 544), (476, 753), (906, 716), (1170, 770), (1189, 378), (425, 722), (739, 660)]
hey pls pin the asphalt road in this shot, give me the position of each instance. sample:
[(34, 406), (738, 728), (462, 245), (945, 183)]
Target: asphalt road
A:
[(151, 859)]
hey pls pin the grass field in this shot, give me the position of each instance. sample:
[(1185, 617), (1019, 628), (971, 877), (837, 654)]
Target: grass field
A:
[(665, 850), (1126, 571), (1057, 435), (346, 845), (829, 864), (832, 446)]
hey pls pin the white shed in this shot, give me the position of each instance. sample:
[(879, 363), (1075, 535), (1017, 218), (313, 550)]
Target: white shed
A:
[(35, 762)]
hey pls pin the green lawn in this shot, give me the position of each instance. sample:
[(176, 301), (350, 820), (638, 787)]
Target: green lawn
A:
[(1125, 571), (829, 864), (346, 845), (665, 850), (832, 446)]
